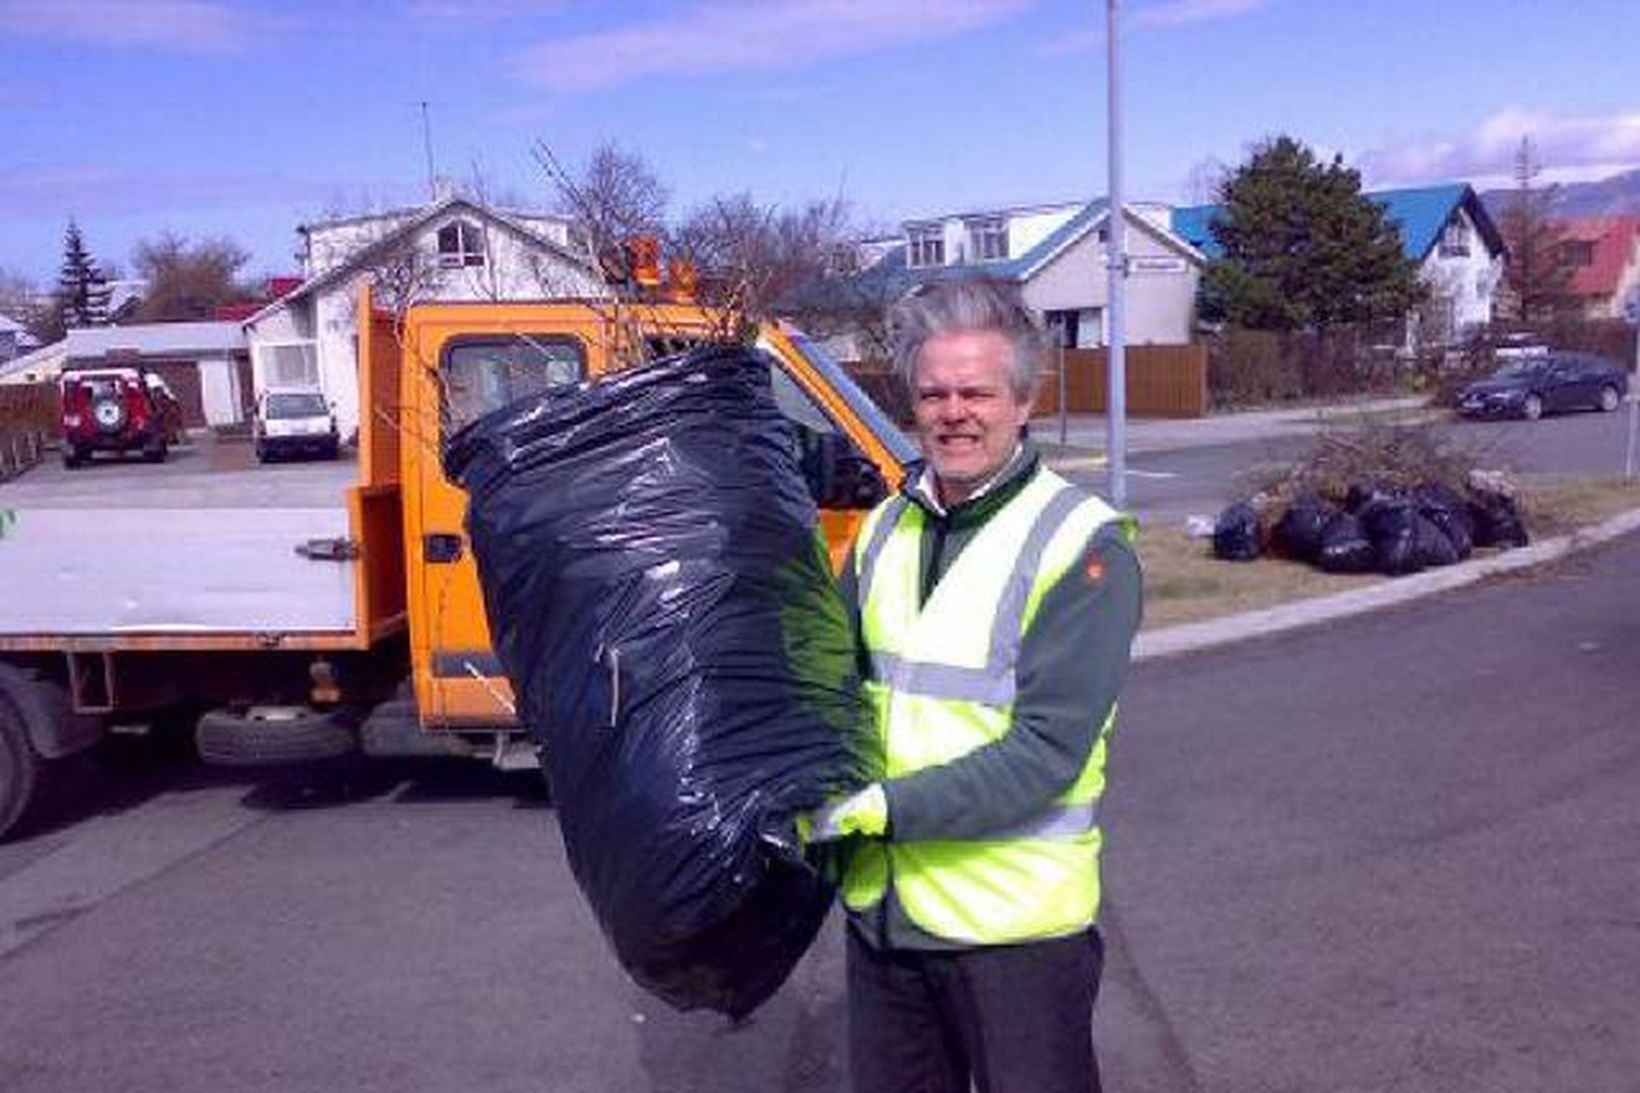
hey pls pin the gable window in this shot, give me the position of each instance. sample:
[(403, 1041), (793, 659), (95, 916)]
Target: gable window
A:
[(1455, 240), (1577, 252), (988, 239), (925, 245), (460, 244)]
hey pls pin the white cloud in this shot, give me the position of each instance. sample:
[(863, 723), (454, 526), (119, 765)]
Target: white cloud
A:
[(750, 35), (1568, 148), (1178, 13), (189, 26), (1162, 15)]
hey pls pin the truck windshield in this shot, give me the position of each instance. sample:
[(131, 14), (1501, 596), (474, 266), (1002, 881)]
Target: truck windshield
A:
[(298, 404), (869, 412), (483, 374)]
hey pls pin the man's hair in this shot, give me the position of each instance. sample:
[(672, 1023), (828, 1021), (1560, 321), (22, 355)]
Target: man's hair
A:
[(967, 304)]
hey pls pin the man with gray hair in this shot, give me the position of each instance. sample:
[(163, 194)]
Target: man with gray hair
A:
[(996, 604)]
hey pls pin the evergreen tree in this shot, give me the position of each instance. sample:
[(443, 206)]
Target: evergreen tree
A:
[(1538, 275), (1304, 249), (82, 289)]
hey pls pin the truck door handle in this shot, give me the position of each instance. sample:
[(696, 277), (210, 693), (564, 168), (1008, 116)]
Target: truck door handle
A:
[(441, 548)]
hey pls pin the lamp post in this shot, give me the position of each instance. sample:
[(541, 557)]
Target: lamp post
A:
[(1116, 266)]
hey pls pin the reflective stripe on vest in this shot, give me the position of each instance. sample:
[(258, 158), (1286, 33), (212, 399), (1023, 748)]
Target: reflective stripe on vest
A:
[(939, 692), (993, 684)]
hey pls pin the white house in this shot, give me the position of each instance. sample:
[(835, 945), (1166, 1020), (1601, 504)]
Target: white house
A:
[(1445, 229), (1056, 254), (452, 249)]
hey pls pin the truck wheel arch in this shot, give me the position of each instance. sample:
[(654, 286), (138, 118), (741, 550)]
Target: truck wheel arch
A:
[(37, 724), (48, 719)]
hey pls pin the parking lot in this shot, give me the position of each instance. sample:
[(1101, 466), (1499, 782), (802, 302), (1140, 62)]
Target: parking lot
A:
[(204, 473)]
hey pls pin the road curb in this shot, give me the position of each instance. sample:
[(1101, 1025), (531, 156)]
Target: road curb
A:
[(1197, 636)]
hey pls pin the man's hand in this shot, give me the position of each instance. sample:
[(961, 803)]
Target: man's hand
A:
[(862, 813)]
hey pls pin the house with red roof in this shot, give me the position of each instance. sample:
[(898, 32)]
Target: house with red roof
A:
[(1604, 253)]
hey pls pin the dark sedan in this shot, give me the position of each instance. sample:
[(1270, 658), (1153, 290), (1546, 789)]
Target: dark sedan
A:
[(1530, 387)]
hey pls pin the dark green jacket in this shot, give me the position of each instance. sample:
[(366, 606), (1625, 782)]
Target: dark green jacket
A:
[(1071, 665)]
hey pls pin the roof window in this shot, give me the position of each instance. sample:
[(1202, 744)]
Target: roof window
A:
[(460, 243)]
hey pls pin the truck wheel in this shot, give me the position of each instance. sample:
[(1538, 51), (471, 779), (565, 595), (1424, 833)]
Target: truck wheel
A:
[(72, 457), (156, 452), (20, 764), (270, 736)]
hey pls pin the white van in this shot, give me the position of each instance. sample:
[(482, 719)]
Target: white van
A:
[(295, 421)]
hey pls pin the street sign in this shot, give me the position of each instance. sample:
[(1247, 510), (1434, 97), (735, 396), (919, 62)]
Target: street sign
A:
[(1148, 263)]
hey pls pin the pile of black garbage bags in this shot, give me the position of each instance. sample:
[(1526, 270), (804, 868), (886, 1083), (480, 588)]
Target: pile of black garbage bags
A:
[(1376, 529), (664, 607)]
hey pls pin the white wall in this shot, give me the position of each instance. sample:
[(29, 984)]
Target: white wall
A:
[(1468, 282), (1160, 306)]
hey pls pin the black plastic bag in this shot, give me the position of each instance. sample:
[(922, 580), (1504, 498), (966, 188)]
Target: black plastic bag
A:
[(1392, 526), (1344, 549), (1496, 520), (664, 607), (1363, 494), (1431, 545), (1298, 534), (1235, 534), (1447, 511)]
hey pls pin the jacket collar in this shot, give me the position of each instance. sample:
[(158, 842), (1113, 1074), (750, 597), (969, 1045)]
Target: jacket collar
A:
[(1021, 467)]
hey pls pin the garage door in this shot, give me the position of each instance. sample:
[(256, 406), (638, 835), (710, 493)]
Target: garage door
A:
[(183, 379)]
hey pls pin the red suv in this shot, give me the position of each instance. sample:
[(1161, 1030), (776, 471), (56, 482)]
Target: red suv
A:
[(113, 410)]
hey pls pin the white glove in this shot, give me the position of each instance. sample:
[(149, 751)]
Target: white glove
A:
[(861, 813)]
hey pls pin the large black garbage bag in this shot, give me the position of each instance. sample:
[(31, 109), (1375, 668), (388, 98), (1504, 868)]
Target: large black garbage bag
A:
[(664, 608), (1235, 534), (1431, 545), (1449, 512), (1497, 521), (1298, 534), (1404, 540), (1344, 548), (1392, 525)]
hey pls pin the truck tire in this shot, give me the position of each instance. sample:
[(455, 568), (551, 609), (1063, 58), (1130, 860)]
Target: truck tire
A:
[(275, 736), (20, 764)]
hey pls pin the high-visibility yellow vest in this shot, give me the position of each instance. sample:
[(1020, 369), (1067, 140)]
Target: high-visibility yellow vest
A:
[(942, 684)]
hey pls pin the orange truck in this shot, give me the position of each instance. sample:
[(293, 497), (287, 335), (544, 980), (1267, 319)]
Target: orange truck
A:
[(282, 635)]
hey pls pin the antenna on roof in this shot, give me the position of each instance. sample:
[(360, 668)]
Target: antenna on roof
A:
[(427, 144)]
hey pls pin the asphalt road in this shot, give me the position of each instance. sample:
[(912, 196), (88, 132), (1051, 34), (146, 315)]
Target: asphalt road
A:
[(1400, 853)]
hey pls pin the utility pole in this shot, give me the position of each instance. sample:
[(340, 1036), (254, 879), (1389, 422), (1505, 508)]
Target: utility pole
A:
[(1116, 265)]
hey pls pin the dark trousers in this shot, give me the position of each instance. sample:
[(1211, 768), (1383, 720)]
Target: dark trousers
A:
[(1008, 1018)]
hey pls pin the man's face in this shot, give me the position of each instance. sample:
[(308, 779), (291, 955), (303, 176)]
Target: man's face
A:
[(968, 417)]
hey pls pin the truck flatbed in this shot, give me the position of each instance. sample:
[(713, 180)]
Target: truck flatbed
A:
[(79, 573)]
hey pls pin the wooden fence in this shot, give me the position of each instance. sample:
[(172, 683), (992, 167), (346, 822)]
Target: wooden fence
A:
[(1162, 381), (29, 420)]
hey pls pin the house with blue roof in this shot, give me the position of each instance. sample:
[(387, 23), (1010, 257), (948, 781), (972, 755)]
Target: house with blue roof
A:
[(1056, 254), (1445, 229)]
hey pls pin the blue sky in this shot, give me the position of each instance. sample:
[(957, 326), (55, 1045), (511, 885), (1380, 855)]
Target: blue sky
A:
[(244, 118)]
